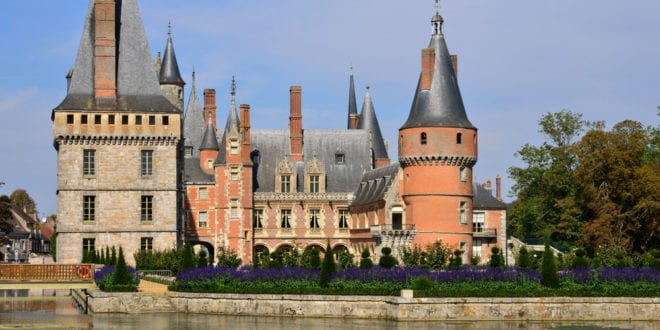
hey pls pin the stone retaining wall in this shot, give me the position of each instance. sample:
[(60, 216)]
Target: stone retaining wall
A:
[(376, 307)]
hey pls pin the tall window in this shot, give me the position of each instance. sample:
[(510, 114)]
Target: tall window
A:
[(233, 147), (462, 209), (69, 119), (166, 120), (111, 119), (234, 208), (422, 138), (124, 119), (146, 243), (89, 162), (138, 120), (258, 218), (83, 119), (476, 248), (209, 164), (314, 215), (203, 193), (285, 218), (478, 222), (459, 138), (203, 220), (313, 183), (89, 208), (97, 119), (285, 183), (188, 151), (343, 219), (147, 161), (147, 208), (234, 173), (152, 120), (462, 174), (88, 245)]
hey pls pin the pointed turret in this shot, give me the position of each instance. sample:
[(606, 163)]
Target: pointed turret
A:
[(114, 69), (209, 149), (171, 83), (352, 105), (232, 126), (193, 123), (369, 122), (438, 101)]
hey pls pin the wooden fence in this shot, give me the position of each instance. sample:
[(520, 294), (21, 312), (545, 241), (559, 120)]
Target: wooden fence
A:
[(47, 273)]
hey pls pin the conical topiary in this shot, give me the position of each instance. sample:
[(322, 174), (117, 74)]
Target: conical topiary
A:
[(328, 267), (121, 276)]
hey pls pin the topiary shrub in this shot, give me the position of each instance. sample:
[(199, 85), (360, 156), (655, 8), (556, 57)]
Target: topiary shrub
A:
[(475, 260), (122, 279), (387, 260), (456, 260), (202, 259), (228, 258), (524, 259), (422, 283), (187, 257), (346, 259), (315, 259), (550, 278), (654, 259), (365, 262), (580, 259), (496, 258), (328, 267)]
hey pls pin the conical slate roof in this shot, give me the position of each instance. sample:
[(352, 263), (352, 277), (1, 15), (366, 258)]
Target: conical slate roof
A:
[(442, 104), (169, 69), (136, 79), (352, 104), (193, 122), (209, 141), (231, 127), (369, 122)]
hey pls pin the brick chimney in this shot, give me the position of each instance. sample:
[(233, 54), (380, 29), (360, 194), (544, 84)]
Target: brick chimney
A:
[(209, 106), (428, 65), (105, 49), (245, 133), (498, 187), (295, 124)]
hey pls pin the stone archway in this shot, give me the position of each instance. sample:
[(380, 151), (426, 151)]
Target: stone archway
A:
[(204, 246)]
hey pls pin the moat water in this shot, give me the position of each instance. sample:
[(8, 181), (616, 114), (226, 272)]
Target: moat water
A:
[(46, 309)]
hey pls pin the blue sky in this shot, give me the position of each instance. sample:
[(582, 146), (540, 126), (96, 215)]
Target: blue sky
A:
[(517, 60)]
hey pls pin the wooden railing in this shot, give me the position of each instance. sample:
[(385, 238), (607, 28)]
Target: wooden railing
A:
[(47, 273)]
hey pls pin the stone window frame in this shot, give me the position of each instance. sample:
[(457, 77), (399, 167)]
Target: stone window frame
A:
[(258, 219), (138, 119), (146, 162), (165, 120), (462, 174), (88, 244), (285, 183), (188, 151), (233, 208), (209, 164), (478, 222), (146, 243), (459, 138), (233, 173), (89, 209), (314, 183), (285, 218), (343, 217), (89, 162), (124, 119), (97, 119), (477, 249), (340, 158), (233, 146), (83, 119), (146, 208), (462, 212), (151, 120), (203, 193), (111, 119), (314, 218), (202, 219), (314, 176), (70, 119)]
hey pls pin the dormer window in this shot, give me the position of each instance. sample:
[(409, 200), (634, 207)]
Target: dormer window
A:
[(340, 158), (459, 138), (233, 147), (188, 151), (285, 181), (314, 183), (209, 164), (422, 138)]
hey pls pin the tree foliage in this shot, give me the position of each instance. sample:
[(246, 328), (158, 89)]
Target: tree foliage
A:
[(599, 191), (21, 199)]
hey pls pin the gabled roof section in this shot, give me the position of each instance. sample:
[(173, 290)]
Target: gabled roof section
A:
[(210, 141), (441, 105), (193, 122), (374, 184), (136, 79), (169, 69), (483, 199), (369, 122), (352, 104), (231, 127)]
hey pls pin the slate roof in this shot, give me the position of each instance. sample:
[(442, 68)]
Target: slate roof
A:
[(193, 174), (193, 122), (273, 145), (374, 184), (137, 81), (442, 104), (483, 199), (369, 122), (210, 141), (169, 68), (352, 104), (232, 127)]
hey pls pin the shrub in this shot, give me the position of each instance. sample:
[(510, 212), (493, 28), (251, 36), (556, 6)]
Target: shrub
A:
[(315, 258), (346, 259), (496, 258), (187, 260), (436, 256), (121, 275), (365, 262), (475, 260), (580, 259), (328, 268), (228, 258), (113, 256), (422, 283), (411, 257), (654, 259), (549, 268), (387, 260), (104, 276), (202, 260), (456, 260)]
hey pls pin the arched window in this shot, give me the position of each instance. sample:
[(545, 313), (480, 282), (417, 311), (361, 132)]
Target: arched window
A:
[(459, 138), (422, 138)]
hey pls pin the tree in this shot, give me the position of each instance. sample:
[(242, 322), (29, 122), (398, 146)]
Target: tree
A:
[(496, 258), (550, 278), (365, 261), (524, 259), (456, 259), (21, 199), (121, 275), (187, 257), (202, 260), (387, 260), (545, 187), (53, 246), (328, 267)]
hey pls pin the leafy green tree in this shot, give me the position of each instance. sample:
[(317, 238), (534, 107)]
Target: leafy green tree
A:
[(315, 258), (187, 260), (5, 227), (550, 278), (53, 246), (346, 259), (545, 187), (21, 199), (228, 258), (365, 261), (412, 257), (328, 267), (436, 256)]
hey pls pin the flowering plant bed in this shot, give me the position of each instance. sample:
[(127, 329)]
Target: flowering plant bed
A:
[(465, 282)]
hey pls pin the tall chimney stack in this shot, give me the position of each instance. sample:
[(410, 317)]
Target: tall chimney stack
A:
[(295, 124), (245, 132), (498, 187), (428, 66), (209, 106), (105, 49)]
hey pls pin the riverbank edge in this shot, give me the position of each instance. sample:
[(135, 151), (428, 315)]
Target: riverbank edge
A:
[(376, 307)]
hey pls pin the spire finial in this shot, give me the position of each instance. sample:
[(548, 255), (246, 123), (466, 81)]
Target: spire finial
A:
[(437, 19), (233, 91), (169, 28), (193, 74), (351, 68)]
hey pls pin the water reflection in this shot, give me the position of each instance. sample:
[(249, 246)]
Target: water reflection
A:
[(55, 310)]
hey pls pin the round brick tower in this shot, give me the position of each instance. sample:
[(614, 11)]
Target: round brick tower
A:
[(437, 150)]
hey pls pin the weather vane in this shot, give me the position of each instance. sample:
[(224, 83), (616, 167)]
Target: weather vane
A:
[(437, 6)]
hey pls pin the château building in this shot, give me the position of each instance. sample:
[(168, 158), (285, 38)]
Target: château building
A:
[(133, 170)]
